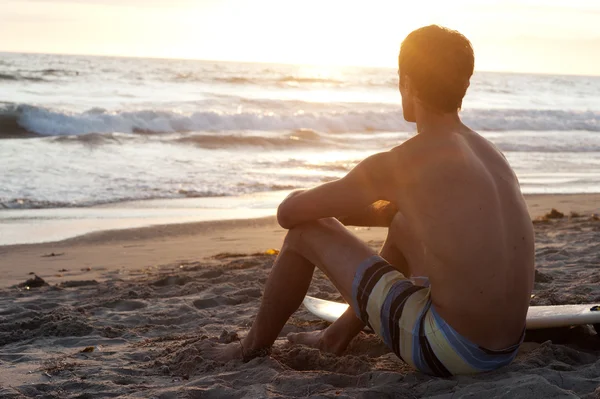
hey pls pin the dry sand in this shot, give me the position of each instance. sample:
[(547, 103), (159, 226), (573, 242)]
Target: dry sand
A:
[(142, 299)]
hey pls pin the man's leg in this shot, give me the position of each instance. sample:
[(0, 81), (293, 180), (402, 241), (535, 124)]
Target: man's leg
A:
[(336, 338), (326, 244)]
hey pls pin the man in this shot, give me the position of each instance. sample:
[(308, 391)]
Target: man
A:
[(455, 215)]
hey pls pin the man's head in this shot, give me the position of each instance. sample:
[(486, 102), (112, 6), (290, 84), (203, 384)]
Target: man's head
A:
[(434, 66)]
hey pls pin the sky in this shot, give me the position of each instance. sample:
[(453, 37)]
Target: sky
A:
[(537, 36)]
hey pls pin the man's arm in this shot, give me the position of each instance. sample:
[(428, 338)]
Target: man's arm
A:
[(378, 214), (367, 183)]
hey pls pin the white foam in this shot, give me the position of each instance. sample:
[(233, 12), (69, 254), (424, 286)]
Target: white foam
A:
[(47, 121)]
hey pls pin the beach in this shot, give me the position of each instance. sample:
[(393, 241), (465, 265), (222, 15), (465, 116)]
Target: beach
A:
[(121, 313), (143, 167)]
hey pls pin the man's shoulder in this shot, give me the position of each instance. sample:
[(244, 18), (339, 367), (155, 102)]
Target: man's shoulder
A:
[(417, 146), (429, 153), (423, 145)]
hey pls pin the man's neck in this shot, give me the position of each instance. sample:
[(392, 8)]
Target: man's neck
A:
[(429, 122)]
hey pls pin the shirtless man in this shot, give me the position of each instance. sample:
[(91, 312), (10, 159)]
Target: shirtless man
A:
[(455, 214)]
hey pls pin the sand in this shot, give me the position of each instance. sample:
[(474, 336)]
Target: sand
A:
[(122, 313)]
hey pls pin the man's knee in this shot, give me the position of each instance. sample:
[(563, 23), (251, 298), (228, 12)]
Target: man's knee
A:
[(297, 236)]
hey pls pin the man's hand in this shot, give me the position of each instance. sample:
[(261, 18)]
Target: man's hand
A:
[(378, 214)]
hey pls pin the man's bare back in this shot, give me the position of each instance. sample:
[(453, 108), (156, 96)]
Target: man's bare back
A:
[(462, 201)]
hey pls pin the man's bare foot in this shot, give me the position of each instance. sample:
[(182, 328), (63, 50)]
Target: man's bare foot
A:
[(233, 351), (221, 352), (319, 340)]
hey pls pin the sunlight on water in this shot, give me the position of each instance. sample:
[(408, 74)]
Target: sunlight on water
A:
[(120, 129)]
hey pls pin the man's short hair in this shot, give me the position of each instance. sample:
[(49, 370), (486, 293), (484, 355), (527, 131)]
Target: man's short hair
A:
[(439, 62)]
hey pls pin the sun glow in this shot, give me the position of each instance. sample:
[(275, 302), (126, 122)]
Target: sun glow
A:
[(526, 35), (334, 32)]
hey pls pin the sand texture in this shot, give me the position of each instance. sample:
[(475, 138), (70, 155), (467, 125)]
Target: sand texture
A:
[(104, 329)]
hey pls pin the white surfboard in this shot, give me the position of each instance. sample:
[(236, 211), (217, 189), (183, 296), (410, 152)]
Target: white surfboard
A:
[(538, 317)]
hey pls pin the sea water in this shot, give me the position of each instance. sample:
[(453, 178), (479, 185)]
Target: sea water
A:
[(79, 131)]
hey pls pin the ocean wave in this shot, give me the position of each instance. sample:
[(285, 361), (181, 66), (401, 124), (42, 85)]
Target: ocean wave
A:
[(335, 166), (51, 122), (17, 77), (91, 139), (237, 80), (10, 126), (532, 120), (549, 147), (23, 119), (305, 134), (216, 141), (57, 72), (185, 77), (301, 79), (28, 203), (141, 195), (256, 80), (261, 187), (25, 203), (198, 194), (551, 142)]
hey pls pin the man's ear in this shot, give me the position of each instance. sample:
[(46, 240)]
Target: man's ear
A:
[(408, 86)]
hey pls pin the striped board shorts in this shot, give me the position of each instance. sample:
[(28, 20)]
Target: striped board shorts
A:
[(402, 314)]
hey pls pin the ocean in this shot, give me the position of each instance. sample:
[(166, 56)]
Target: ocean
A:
[(86, 131)]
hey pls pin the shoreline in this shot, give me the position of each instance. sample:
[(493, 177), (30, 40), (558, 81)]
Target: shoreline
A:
[(48, 225), (103, 254), (167, 215)]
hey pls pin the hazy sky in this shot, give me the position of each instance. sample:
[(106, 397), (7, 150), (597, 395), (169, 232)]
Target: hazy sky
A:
[(548, 36)]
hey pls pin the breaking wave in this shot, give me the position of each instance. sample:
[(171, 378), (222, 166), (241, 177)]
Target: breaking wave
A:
[(18, 120)]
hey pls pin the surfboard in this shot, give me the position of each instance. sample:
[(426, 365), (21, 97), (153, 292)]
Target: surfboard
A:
[(538, 317)]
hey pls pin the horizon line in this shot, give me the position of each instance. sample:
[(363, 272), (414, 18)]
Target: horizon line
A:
[(277, 63)]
